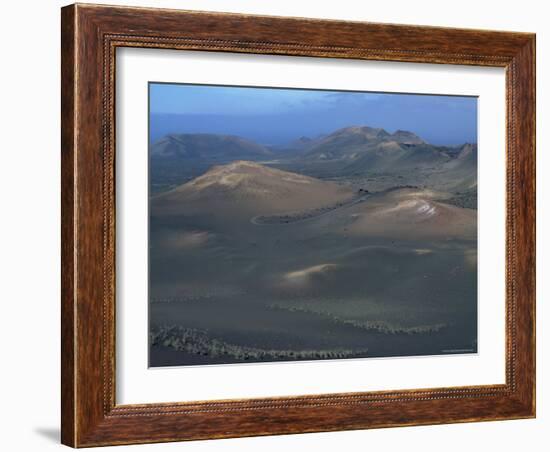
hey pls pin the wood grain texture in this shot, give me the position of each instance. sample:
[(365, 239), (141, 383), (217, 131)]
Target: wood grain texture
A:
[(68, 147), (90, 36)]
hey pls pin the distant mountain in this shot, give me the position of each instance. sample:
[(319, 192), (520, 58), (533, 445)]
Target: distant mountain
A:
[(208, 146), (391, 156), (466, 156), (347, 152), (351, 142), (404, 137), (464, 167), (305, 143), (245, 186), (345, 142), (360, 149)]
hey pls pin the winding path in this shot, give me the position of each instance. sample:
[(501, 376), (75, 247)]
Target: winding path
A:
[(255, 220)]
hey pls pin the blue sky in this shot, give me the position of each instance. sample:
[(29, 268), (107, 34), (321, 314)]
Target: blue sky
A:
[(277, 116)]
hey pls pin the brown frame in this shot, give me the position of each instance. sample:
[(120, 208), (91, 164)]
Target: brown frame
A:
[(90, 35)]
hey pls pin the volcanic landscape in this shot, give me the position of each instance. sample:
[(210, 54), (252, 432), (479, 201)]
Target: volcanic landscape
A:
[(360, 243)]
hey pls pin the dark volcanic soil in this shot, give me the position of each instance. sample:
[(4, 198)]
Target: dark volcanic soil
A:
[(384, 274)]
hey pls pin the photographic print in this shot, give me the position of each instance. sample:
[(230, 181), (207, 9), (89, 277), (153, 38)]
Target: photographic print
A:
[(301, 224)]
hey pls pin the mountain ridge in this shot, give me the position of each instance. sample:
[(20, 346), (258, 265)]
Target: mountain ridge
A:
[(353, 151), (207, 146)]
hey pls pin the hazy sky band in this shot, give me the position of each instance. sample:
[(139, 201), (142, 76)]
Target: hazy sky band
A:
[(279, 115)]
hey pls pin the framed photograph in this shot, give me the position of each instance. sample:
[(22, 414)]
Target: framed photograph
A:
[(281, 225)]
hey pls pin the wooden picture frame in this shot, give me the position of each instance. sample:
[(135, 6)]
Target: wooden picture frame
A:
[(90, 36)]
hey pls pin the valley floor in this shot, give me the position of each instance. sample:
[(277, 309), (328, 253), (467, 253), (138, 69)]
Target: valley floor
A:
[(392, 273)]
